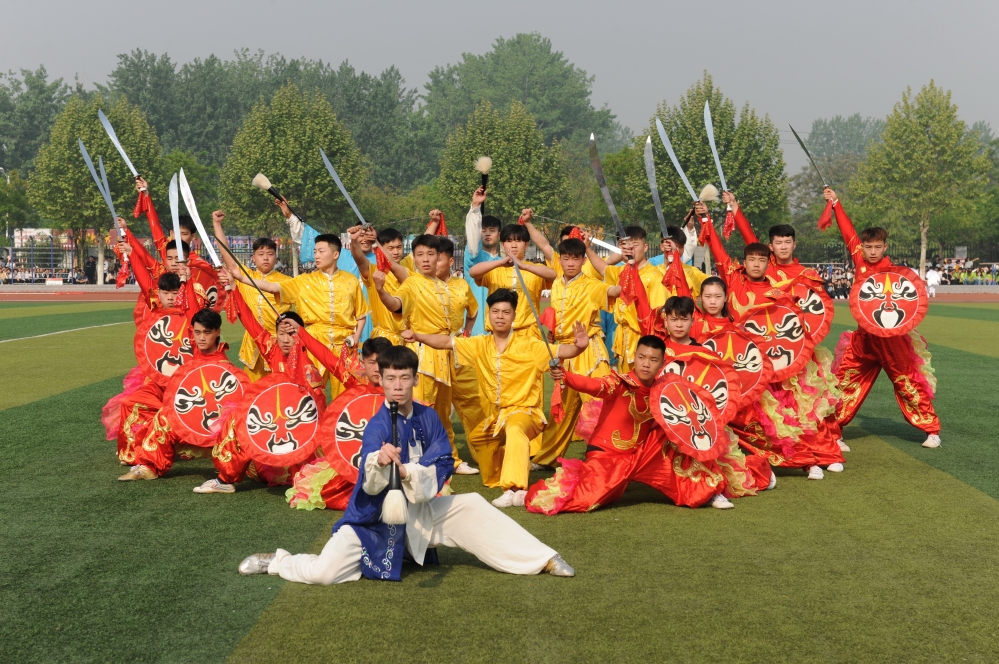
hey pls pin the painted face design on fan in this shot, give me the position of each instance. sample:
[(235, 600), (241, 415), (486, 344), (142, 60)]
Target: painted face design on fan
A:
[(199, 398), (282, 430), (350, 426), (783, 328), (167, 345), (704, 374), (888, 298), (683, 410)]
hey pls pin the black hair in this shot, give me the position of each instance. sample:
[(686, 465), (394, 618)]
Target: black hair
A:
[(168, 282), (676, 234), (445, 246), (514, 232), (290, 315), (490, 221), (653, 342), (208, 319), (874, 234), (399, 358), (564, 233), (185, 222), (265, 243), (387, 235), (572, 247), (375, 346), (502, 295), (426, 240), (330, 239), (679, 305), (781, 230), (756, 249), (717, 281), (635, 232), (172, 244)]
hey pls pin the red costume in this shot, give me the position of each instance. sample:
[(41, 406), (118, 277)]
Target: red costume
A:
[(627, 445), (860, 355), (797, 404), (130, 416)]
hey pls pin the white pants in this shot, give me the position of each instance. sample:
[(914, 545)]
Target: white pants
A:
[(467, 521), (931, 291)]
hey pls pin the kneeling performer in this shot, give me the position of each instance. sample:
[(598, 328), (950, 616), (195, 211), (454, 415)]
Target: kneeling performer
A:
[(363, 545)]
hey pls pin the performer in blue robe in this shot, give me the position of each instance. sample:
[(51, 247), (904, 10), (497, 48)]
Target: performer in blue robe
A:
[(481, 245), (362, 545)]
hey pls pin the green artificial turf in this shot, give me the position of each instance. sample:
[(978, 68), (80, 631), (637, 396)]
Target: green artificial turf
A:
[(893, 560), (19, 328)]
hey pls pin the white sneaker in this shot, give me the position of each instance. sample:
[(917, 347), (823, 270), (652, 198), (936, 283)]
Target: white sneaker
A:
[(932, 441), (773, 480), (464, 469), (835, 468), (215, 486), (506, 500), (518, 497), (815, 473), (843, 447), (720, 502), (538, 466)]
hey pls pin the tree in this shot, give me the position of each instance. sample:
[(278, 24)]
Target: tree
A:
[(15, 211), (28, 107), (61, 187), (282, 139), (929, 173), (525, 173), (750, 154), (839, 135), (524, 69)]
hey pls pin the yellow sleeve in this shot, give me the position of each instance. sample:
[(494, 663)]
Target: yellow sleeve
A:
[(539, 355), (472, 305), (488, 280), (597, 292), (591, 271), (467, 349), (694, 279), (361, 308), (612, 275), (407, 262), (291, 290), (408, 297)]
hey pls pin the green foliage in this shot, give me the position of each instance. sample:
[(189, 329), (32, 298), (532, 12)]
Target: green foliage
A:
[(28, 107), (203, 178), (525, 173), (750, 152), (61, 187), (523, 69), (927, 178), (282, 140), (839, 135), (15, 210)]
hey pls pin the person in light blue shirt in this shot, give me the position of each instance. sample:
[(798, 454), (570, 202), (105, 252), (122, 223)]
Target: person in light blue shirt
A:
[(482, 245)]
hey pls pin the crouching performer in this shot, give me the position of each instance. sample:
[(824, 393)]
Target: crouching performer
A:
[(363, 545)]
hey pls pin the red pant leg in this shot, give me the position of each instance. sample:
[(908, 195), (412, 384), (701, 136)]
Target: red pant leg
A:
[(336, 493), (683, 479), (229, 459), (157, 448), (137, 412), (760, 469), (857, 372), (580, 486), (898, 358)]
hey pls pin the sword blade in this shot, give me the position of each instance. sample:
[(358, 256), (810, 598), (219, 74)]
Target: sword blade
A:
[(672, 157), (605, 245), (809, 155), (711, 140), (650, 171), (530, 302), (598, 173), (97, 179), (185, 192), (247, 275), (114, 139), (175, 216), (343, 190), (107, 189)]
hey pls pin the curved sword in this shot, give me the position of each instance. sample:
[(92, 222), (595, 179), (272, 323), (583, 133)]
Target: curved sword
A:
[(175, 215), (808, 154), (650, 171), (107, 189), (672, 157), (100, 185), (711, 140), (185, 192), (114, 139), (598, 173), (552, 362), (343, 190)]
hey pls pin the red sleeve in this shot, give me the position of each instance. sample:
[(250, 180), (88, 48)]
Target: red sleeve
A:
[(596, 387), (721, 257), (143, 279), (159, 239), (324, 355), (646, 317), (250, 323), (744, 227), (139, 253), (188, 299), (849, 233)]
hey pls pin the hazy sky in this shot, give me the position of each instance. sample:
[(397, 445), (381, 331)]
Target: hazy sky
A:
[(796, 61)]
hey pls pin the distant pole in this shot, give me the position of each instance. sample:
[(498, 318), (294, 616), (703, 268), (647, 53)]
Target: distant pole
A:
[(32, 259)]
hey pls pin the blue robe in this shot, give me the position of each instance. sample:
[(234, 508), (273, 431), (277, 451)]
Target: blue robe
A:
[(383, 545)]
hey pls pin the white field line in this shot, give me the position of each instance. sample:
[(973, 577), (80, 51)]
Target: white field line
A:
[(39, 336)]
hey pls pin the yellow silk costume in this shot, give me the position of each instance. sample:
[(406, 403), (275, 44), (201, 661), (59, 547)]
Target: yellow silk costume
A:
[(254, 363), (510, 392), (330, 306), (384, 323), (506, 277), (464, 384), (579, 300), (588, 268)]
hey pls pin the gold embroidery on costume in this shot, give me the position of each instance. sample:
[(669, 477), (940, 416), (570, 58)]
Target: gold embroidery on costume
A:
[(219, 451), (128, 454), (696, 471), (910, 401), (740, 309), (639, 418), (158, 435)]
